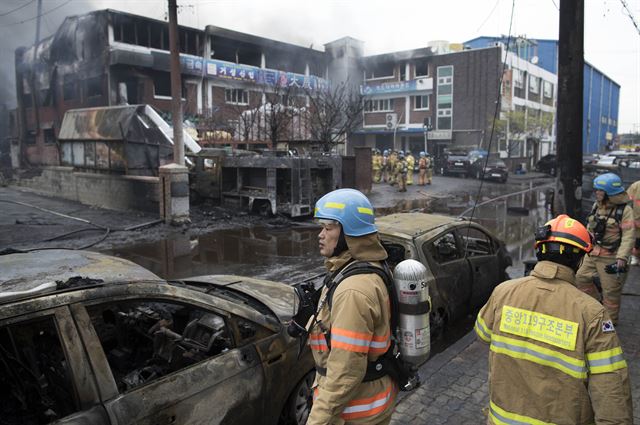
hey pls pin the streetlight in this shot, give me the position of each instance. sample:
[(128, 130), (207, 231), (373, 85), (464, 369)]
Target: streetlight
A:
[(427, 129)]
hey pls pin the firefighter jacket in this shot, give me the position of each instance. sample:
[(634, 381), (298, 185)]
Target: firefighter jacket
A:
[(422, 163), (634, 196), (376, 162), (554, 356), (619, 236), (350, 334), (411, 162), (401, 167)]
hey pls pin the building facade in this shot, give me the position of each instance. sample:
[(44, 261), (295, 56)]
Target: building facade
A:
[(601, 93), (107, 58)]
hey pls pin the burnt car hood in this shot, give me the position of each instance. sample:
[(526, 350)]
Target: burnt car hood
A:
[(279, 297), (26, 271)]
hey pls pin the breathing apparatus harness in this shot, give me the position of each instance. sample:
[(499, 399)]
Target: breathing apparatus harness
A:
[(391, 362), (600, 226)]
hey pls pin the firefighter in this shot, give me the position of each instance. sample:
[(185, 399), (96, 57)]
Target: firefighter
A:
[(429, 168), (376, 166), (411, 162), (402, 170), (634, 196), (422, 169), (393, 160), (611, 223), (355, 329), (554, 353), (385, 165)]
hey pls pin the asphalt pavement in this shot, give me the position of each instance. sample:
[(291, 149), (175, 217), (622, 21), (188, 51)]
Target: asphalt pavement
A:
[(455, 382)]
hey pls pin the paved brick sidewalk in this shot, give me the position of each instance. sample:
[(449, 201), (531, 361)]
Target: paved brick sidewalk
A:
[(455, 387)]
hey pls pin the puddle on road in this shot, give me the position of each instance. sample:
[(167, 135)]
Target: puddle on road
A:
[(271, 253), (290, 253)]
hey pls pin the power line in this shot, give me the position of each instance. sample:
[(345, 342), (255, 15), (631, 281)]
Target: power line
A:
[(488, 16), (17, 8), (36, 17), (633, 20)]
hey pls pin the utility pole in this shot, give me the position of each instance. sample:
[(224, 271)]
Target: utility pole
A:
[(174, 178), (34, 68), (570, 105), (176, 85)]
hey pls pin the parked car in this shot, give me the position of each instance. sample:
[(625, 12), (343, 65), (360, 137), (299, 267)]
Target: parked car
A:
[(90, 339), (464, 260), (491, 169), (459, 161), (547, 164)]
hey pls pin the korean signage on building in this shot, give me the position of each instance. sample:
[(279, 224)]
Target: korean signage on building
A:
[(269, 77), (397, 87)]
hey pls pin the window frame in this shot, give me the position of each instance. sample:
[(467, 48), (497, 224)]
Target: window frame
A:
[(234, 94), (421, 108), (377, 105)]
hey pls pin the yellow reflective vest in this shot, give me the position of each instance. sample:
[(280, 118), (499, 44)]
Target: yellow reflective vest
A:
[(554, 356)]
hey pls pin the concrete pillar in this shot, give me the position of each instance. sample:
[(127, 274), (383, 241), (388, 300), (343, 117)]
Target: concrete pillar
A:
[(174, 194)]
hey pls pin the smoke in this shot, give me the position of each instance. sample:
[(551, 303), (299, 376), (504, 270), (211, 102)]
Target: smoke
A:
[(18, 29)]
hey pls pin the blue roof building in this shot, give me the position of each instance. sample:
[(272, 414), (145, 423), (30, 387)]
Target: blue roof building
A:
[(601, 93)]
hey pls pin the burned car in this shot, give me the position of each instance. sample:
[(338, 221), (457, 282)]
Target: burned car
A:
[(463, 259), (91, 339)]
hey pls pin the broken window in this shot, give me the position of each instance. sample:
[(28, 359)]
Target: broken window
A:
[(145, 340), (381, 70), (35, 383), (69, 88), (49, 136), (476, 242), (162, 84), (422, 68), (443, 249), (93, 86)]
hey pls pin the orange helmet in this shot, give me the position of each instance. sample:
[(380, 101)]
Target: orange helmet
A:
[(564, 230)]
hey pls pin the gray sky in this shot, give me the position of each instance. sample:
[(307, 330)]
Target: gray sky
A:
[(612, 43)]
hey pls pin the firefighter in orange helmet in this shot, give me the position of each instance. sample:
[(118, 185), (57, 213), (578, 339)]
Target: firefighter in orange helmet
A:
[(353, 328), (554, 353)]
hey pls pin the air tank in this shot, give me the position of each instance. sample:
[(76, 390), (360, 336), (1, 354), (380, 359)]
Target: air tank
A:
[(414, 305)]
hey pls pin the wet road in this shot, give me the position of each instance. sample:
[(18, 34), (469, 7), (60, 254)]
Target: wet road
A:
[(290, 253)]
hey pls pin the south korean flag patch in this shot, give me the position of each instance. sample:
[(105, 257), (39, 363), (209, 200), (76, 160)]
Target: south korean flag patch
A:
[(607, 326)]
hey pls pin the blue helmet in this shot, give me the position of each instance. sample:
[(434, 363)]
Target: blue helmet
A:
[(350, 208), (610, 183), (386, 152), (422, 154)]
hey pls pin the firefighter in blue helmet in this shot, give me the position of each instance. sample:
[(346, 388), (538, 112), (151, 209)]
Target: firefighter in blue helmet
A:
[(353, 330), (611, 223)]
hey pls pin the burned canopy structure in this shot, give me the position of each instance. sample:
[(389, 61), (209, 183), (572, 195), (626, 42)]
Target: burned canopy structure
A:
[(118, 139)]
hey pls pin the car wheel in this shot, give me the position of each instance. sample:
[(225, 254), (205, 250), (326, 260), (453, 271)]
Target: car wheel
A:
[(298, 406)]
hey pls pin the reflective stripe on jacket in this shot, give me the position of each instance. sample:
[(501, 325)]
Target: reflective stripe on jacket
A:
[(554, 354), (358, 329)]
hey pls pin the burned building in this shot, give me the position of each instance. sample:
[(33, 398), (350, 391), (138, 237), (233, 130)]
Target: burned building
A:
[(108, 58)]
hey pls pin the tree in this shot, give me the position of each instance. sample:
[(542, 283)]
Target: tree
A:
[(334, 114), (519, 125)]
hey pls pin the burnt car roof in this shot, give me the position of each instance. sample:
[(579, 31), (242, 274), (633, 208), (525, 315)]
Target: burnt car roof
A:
[(26, 271), (411, 225)]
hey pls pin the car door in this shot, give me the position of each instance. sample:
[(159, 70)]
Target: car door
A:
[(44, 373), (484, 262), (169, 362), (452, 275)]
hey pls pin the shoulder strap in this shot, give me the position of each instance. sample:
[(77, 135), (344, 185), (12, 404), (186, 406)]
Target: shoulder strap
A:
[(363, 267), (619, 212)]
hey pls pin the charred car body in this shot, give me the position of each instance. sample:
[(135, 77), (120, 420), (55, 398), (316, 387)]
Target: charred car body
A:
[(111, 343), (464, 260)]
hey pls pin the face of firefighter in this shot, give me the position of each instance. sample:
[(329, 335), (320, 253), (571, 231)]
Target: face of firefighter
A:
[(600, 195), (328, 238)]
